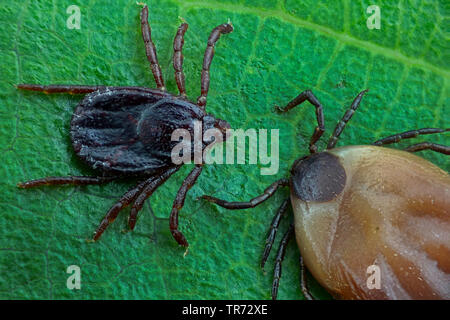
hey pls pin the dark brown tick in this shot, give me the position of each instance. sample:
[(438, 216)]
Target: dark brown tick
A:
[(359, 208), (126, 131)]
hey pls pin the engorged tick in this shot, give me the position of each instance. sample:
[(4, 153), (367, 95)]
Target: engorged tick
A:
[(126, 131), (361, 206)]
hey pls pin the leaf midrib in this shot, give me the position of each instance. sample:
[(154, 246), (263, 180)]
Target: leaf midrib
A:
[(340, 36)]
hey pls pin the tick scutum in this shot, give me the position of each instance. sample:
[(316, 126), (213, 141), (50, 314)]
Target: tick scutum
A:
[(123, 131), (319, 177)]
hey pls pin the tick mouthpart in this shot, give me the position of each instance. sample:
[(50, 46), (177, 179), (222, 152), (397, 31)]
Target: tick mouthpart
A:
[(222, 125)]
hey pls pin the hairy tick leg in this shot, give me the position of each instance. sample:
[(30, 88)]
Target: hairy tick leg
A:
[(279, 260), (429, 146), (273, 230), (150, 49), (270, 191), (71, 180), (209, 54), (320, 129), (303, 281), (346, 118), (124, 201), (60, 88), (178, 43), (408, 135), (148, 190), (179, 203)]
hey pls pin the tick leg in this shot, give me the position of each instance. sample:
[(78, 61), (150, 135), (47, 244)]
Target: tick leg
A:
[(273, 231), (209, 54), (320, 129), (57, 88), (146, 193), (179, 203), (342, 123), (124, 201), (72, 180), (407, 135), (280, 256), (270, 191), (178, 43), (304, 282), (429, 146), (150, 49)]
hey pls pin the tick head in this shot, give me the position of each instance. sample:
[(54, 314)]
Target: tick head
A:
[(219, 127), (222, 125)]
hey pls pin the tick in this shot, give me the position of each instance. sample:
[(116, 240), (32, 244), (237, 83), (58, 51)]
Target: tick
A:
[(126, 131), (361, 206)]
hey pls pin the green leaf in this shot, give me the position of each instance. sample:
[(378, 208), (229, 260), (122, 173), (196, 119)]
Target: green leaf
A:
[(278, 48)]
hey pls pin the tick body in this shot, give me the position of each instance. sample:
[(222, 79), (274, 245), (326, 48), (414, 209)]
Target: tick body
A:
[(376, 206), (126, 131), (361, 206)]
